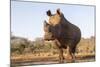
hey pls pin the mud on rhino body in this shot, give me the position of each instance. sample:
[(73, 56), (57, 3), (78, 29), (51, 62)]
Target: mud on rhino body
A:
[(65, 34)]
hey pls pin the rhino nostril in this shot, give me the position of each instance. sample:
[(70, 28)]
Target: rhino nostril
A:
[(52, 36)]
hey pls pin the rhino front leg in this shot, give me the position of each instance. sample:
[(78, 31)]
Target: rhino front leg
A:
[(61, 57), (60, 51)]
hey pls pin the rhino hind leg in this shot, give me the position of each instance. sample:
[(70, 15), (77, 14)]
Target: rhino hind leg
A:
[(70, 54)]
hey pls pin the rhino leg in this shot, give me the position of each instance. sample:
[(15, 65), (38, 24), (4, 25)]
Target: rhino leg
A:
[(61, 57), (60, 51), (70, 55), (73, 57)]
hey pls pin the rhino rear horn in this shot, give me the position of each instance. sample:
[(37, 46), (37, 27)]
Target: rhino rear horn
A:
[(45, 23)]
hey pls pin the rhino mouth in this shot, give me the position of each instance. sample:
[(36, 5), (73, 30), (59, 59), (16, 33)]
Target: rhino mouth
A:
[(51, 39), (48, 37)]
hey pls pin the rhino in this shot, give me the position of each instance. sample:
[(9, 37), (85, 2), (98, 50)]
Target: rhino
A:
[(63, 33)]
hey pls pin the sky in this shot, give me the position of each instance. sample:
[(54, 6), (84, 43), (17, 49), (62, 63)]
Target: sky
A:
[(27, 18)]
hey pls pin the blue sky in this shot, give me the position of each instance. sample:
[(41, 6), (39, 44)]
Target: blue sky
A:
[(27, 18)]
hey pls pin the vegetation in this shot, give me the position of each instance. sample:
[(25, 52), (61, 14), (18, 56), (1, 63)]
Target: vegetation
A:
[(21, 45)]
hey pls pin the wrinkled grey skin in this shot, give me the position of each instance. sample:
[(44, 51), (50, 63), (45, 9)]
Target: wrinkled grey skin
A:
[(65, 34)]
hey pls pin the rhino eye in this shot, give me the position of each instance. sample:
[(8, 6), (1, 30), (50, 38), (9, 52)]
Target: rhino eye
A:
[(49, 29)]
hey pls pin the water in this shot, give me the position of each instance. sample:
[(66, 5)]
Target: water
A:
[(52, 62)]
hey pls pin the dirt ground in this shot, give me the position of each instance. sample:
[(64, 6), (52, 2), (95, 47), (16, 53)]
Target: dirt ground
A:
[(47, 57)]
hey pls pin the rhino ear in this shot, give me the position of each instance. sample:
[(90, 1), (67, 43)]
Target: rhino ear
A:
[(49, 13), (58, 11)]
